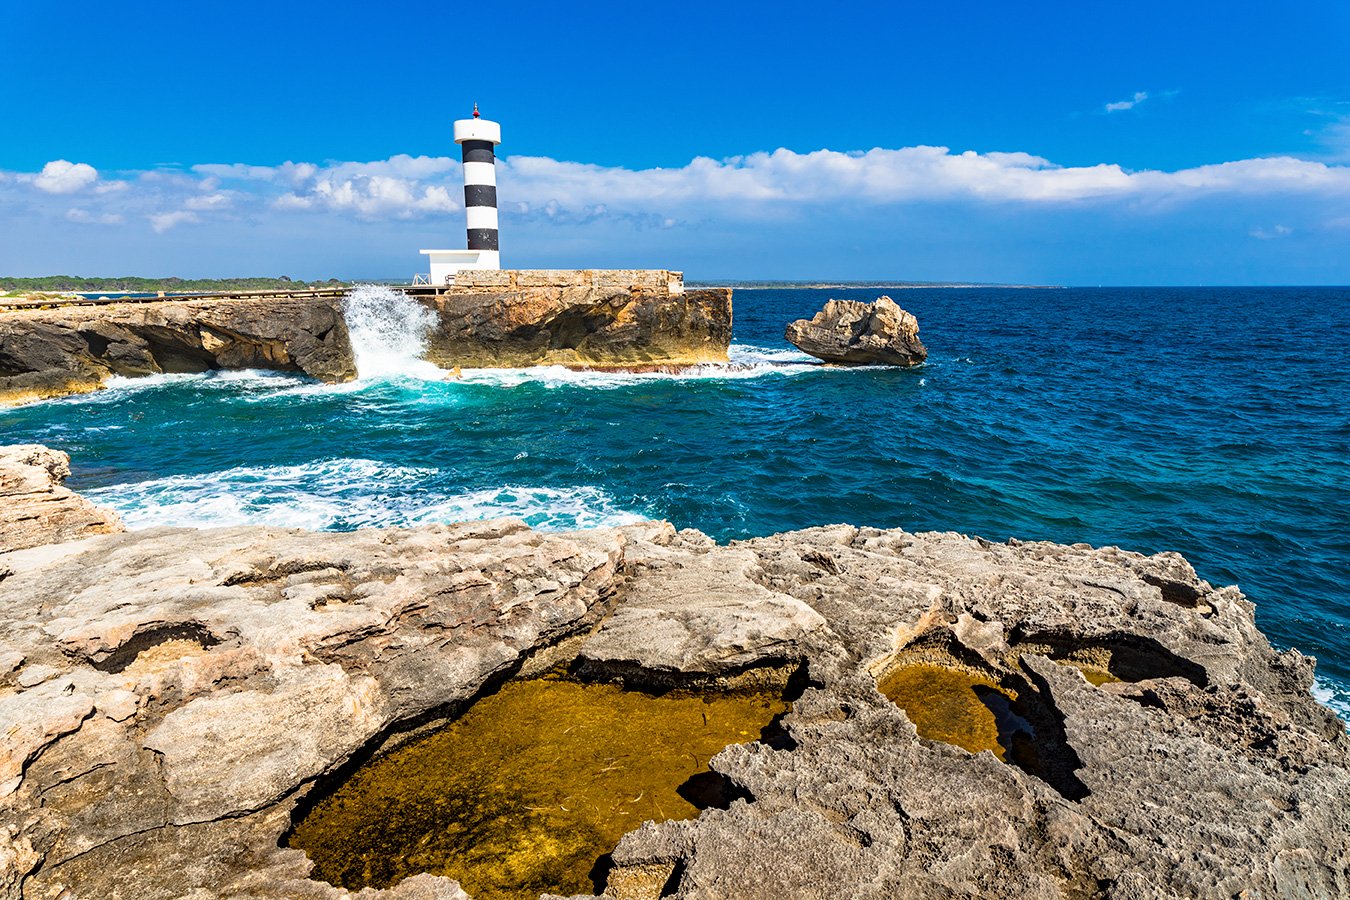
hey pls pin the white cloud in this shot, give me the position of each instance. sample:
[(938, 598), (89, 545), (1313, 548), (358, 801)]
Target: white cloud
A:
[(1278, 231), (85, 217), (372, 196), (756, 187), (61, 176), (217, 200), (1122, 105), (286, 173), (162, 222)]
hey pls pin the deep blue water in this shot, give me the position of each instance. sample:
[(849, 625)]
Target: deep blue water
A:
[(1215, 422)]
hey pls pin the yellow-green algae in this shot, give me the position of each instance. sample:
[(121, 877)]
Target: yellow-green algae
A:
[(528, 789), (1095, 674), (952, 705)]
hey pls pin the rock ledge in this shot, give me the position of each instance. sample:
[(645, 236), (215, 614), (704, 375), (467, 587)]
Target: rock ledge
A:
[(169, 696)]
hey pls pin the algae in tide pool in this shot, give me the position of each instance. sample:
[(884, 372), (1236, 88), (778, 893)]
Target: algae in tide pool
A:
[(951, 705), (527, 789)]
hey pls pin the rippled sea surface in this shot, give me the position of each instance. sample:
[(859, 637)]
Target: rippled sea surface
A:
[(1212, 421)]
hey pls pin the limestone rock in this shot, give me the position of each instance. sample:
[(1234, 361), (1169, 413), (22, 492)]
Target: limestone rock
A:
[(580, 326), (196, 685), (1207, 770), (50, 352), (35, 508), (609, 320), (850, 332), (694, 609), (233, 667)]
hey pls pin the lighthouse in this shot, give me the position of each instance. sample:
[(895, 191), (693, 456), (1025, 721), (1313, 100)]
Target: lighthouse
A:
[(478, 139)]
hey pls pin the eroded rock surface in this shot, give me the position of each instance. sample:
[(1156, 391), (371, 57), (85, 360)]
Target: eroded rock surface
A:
[(580, 326), (168, 697), (850, 332), (51, 352), (36, 508)]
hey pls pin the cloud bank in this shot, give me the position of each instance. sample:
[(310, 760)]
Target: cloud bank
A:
[(777, 187), (404, 187)]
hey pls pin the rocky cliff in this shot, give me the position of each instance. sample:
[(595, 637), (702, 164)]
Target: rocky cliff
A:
[(172, 697), (582, 319), (51, 352), (596, 319)]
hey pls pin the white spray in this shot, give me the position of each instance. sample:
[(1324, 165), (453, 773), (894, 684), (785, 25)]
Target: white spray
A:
[(389, 333)]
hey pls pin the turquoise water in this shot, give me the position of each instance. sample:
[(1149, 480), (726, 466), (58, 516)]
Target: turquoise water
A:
[(1215, 422)]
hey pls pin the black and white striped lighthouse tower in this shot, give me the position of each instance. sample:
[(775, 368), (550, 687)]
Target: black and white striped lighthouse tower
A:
[(478, 137)]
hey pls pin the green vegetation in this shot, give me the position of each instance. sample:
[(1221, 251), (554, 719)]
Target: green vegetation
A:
[(75, 283)]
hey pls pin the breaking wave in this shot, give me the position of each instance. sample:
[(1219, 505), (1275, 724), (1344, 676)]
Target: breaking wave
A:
[(341, 494), (744, 361), (389, 332)]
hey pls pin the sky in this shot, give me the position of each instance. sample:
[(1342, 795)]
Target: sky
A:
[(1052, 143)]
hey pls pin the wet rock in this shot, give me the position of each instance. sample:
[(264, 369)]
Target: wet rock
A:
[(51, 352), (35, 508), (850, 332), (200, 684)]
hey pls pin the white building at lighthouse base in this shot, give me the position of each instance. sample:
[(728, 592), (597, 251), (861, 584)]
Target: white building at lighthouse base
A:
[(445, 263)]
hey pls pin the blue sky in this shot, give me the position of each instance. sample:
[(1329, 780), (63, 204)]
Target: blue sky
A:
[(1058, 143)]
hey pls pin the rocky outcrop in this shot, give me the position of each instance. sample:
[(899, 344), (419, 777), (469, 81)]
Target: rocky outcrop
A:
[(1198, 767), (35, 508), (51, 352), (623, 319), (168, 691), (850, 332), (601, 325), (170, 696)]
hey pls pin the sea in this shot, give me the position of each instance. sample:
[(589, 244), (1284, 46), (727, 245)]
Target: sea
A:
[(1210, 421)]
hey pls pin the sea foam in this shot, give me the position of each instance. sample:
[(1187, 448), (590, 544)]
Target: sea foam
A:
[(743, 361), (1334, 695), (341, 494)]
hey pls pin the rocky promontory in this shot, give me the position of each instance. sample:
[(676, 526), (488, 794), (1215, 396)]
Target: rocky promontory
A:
[(621, 319), (74, 349), (965, 718), (585, 318), (850, 332)]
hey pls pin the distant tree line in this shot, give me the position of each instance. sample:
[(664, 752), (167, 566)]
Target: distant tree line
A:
[(75, 283)]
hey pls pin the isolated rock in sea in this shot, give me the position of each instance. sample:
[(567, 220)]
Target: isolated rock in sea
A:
[(605, 319), (35, 508), (171, 696), (65, 350), (850, 332)]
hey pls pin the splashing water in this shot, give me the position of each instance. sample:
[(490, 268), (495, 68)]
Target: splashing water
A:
[(389, 333), (345, 493)]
